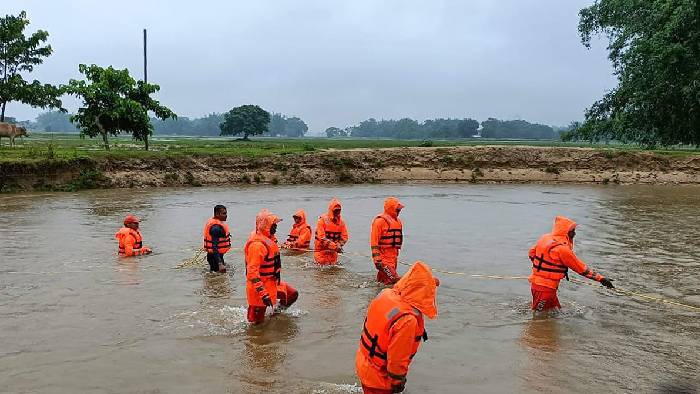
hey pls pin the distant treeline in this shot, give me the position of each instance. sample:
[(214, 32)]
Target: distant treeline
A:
[(285, 126), (407, 128)]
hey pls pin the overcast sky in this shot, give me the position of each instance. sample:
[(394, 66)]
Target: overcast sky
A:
[(335, 63)]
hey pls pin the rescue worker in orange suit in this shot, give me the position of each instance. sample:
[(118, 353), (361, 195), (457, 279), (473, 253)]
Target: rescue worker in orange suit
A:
[(300, 234), (394, 329), (552, 257), (331, 235), (217, 239), (263, 264), (386, 239), (130, 240)]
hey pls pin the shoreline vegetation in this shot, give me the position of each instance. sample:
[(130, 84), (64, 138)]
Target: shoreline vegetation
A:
[(64, 162)]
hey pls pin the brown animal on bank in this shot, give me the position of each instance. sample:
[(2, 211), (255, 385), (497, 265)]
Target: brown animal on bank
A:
[(11, 131)]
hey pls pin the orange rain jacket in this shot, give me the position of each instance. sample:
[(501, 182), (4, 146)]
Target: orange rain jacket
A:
[(394, 328), (300, 234), (223, 245), (262, 261), (387, 235), (331, 234), (553, 255), (130, 242)]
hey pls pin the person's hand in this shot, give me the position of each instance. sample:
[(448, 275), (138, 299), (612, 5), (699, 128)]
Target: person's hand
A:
[(378, 265), (332, 245), (266, 300), (607, 283), (222, 268), (398, 388), (286, 245), (146, 250)]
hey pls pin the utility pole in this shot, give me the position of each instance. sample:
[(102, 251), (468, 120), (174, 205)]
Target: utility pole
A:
[(145, 75)]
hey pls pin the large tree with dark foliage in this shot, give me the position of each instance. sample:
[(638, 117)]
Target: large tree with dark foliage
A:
[(246, 120), (20, 54), (114, 102), (654, 47)]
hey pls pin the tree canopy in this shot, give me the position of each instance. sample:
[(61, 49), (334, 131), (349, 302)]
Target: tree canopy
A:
[(246, 120), (654, 47), (114, 102), (20, 54)]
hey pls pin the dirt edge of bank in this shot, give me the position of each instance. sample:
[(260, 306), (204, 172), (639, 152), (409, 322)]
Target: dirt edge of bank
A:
[(481, 164)]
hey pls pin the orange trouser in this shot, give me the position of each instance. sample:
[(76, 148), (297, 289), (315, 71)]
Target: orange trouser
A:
[(371, 390), (286, 294), (326, 257), (544, 298), (390, 259)]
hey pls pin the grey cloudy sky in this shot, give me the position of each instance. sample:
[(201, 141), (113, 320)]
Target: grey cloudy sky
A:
[(335, 63)]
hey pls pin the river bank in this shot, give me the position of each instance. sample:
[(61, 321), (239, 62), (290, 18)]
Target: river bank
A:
[(475, 164)]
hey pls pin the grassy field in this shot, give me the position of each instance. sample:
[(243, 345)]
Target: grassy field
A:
[(45, 146)]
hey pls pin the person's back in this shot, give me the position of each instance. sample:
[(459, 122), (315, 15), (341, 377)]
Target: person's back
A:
[(393, 329)]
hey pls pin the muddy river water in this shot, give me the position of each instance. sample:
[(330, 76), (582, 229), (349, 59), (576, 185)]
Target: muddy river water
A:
[(75, 318)]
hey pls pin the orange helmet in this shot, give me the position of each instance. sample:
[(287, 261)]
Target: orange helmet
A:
[(131, 219)]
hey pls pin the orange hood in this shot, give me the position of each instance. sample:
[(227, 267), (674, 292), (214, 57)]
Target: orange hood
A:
[(418, 288), (562, 226), (391, 206), (335, 203), (302, 215), (264, 221)]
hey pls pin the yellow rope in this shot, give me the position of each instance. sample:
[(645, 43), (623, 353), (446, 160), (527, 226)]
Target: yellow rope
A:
[(618, 290)]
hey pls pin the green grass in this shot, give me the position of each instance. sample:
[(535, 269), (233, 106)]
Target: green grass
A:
[(44, 146)]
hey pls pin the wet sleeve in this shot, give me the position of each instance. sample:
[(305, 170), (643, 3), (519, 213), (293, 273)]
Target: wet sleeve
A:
[(216, 232), (375, 234), (569, 258), (129, 242), (320, 229), (254, 258), (343, 232), (304, 237), (402, 337)]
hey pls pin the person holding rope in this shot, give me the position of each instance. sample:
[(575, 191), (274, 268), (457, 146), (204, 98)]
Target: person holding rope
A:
[(331, 235), (130, 239), (300, 234), (385, 241), (263, 265), (217, 239), (552, 257)]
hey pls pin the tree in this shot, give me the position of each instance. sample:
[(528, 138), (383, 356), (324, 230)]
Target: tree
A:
[(19, 53), (654, 47), (113, 102), (246, 119), (295, 127), (335, 132)]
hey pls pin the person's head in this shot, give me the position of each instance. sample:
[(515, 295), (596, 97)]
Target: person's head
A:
[(392, 206), (336, 211), (266, 223), (418, 287), (131, 222), (334, 208), (297, 219), (220, 213)]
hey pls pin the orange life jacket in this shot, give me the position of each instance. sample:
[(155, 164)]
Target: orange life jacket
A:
[(272, 264), (392, 237), (224, 244), (383, 312), (545, 268), (294, 235), (130, 232), (332, 229)]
